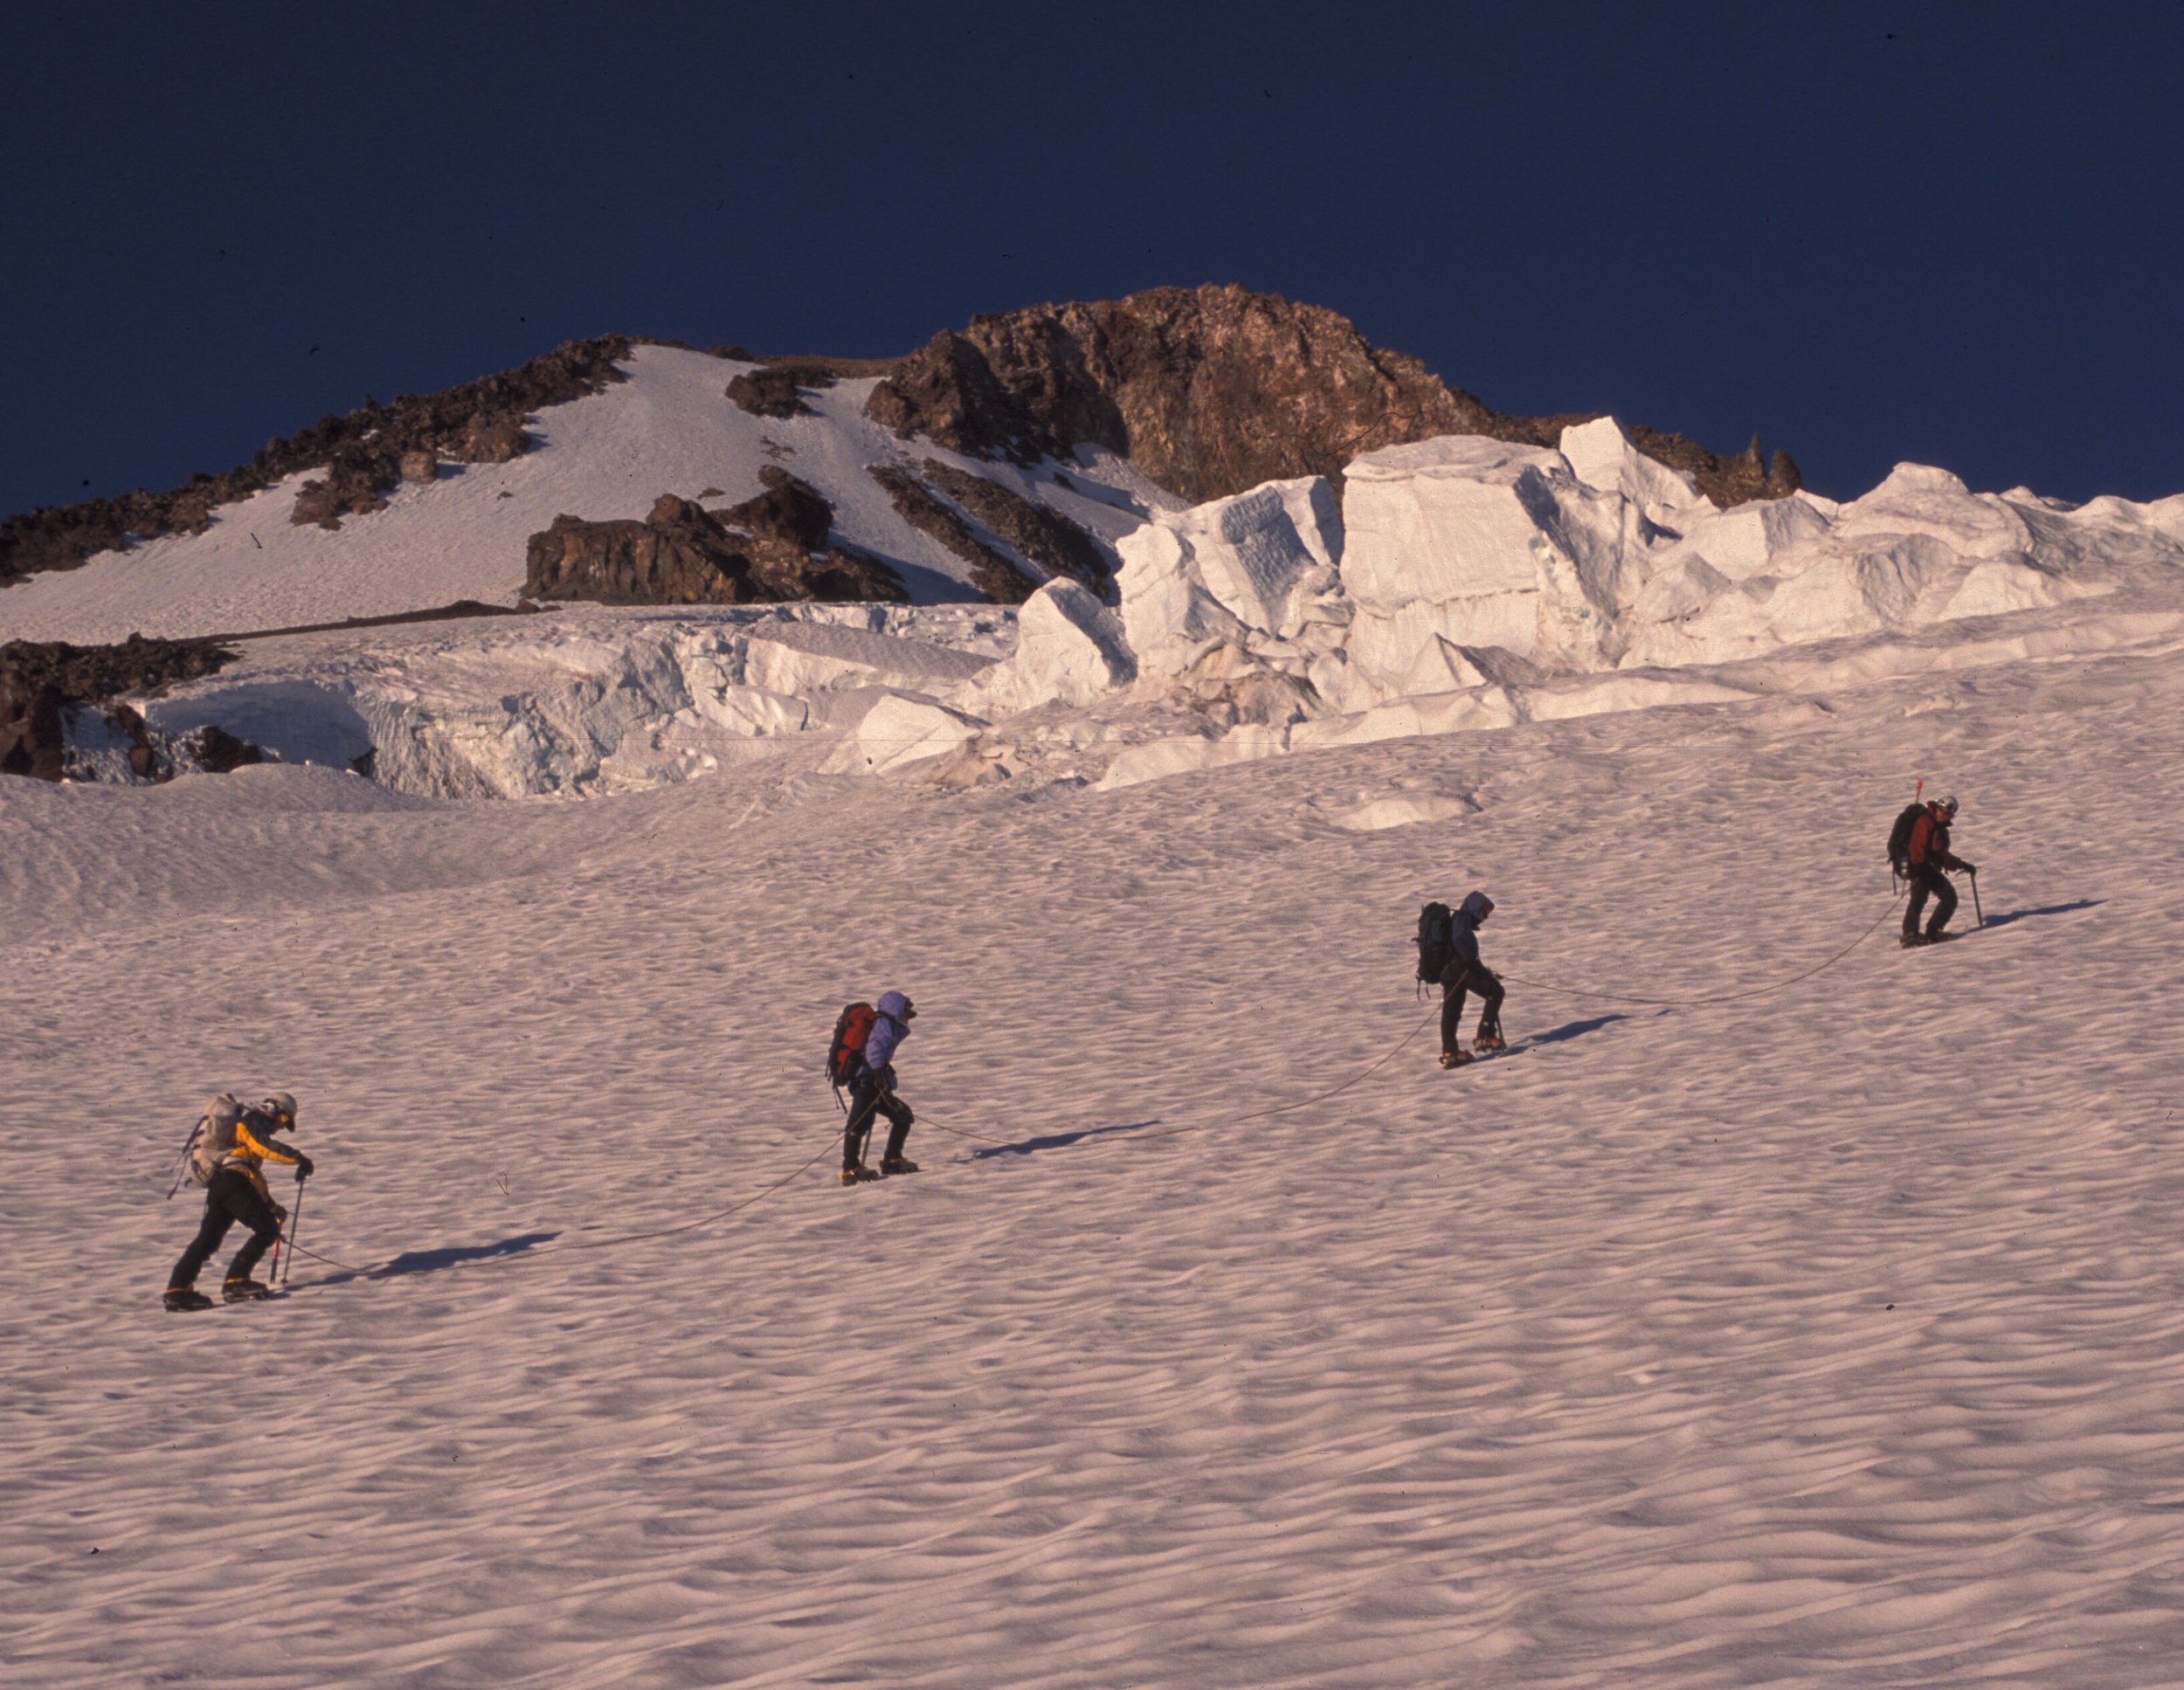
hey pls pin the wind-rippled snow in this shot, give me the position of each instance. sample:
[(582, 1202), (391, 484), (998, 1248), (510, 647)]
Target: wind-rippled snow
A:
[(1829, 1336)]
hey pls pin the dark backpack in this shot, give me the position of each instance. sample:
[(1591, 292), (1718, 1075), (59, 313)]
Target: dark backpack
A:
[(1434, 948), (1899, 836), (846, 1054)]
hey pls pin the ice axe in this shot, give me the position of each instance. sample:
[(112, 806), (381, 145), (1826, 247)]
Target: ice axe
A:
[(182, 1162)]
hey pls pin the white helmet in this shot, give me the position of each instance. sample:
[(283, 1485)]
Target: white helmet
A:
[(281, 1106)]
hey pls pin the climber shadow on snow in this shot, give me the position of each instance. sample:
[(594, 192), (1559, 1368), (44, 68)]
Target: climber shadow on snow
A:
[(2008, 916), (1570, 1029), (1061, 1141), (433, 1261)]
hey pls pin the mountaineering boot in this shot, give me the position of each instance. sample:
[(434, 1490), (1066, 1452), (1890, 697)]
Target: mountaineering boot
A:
[(858, 1176), (1456, 1058), (1489, 1041), (181, 1299), (244, 1291), (1912, 941), (897, 1165), (1942, 938)]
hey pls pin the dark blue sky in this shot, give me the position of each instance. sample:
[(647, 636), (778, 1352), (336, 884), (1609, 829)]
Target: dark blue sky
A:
[(1868, 232)]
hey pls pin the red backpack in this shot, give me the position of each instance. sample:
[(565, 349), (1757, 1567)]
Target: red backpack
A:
[(846, 1055)]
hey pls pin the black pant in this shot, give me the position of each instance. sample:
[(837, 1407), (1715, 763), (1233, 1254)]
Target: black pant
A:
[(1460, 978), (869, 1095), (1925, 880), (231, 1197)]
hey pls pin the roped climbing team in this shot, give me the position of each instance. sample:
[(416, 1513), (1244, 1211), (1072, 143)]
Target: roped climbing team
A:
[(233, 1142)]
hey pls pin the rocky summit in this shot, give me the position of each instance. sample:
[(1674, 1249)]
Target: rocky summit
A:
[(1213, 390)]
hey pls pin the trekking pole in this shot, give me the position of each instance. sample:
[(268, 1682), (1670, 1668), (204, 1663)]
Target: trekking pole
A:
[(1974, 877), (294, 1220)]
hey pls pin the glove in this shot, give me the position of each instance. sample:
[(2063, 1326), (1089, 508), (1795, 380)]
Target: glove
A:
[(304, 1167), (1972, 868)]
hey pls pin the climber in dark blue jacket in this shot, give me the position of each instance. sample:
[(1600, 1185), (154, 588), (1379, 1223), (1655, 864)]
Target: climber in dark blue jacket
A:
[(1465, 973)]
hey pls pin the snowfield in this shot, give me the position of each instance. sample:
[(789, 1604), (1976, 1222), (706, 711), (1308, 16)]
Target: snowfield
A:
[(1787, 1307), (1826, 1334)]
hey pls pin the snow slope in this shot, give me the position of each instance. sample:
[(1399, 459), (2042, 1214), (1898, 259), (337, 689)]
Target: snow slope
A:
[(1825, 1336), (669, 428)]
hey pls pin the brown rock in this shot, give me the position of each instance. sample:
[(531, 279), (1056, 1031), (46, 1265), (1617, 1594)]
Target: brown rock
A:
[(992, 572), (1038, 532), (490, 439), (351, 486), (39, 681), (30, 736), (420, 466), (770, 550), (1208, 390), (1211, 390), (769, 390), (791, 510), (218, 752), (772, 389)]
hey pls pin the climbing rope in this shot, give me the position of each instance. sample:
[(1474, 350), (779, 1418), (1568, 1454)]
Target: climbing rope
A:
[(942, 1126), (1362, 1074), (1737, 996), (1895, 898), (601, 1244)]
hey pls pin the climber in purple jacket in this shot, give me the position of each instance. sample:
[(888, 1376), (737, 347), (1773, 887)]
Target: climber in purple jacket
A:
[(872, 1092)]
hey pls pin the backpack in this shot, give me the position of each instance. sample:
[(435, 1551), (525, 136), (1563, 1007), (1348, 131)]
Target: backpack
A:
[(1435, 950), (214, 1138), (846, 1054), (1899, 836)]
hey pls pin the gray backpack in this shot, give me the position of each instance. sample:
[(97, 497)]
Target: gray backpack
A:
[(214, 1140)]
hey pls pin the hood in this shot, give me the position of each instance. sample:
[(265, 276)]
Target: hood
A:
[(1475, 907), (892, 1004)]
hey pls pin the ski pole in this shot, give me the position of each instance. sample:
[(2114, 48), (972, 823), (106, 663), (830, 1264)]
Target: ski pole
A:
[(294, 1220), (1974, 877)]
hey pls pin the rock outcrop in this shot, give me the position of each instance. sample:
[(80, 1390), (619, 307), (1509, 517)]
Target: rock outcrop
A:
[(769, 550), (1213, 390), (1038, 532), (482, 422), (991, 571), (772, 389), (1208, 390), (41, 682)]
